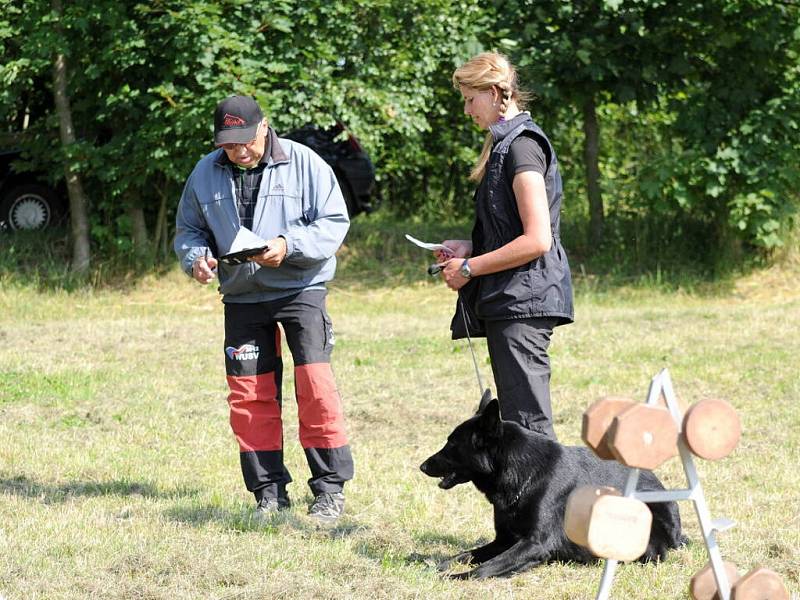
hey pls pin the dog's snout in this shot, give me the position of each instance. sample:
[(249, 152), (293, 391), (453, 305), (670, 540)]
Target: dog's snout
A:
[(424, 467)]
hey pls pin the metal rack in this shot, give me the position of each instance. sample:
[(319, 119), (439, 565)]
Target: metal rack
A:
[(661, 385)]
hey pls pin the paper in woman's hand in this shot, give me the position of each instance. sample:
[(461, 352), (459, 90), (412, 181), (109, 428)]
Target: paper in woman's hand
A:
[(427, 245)]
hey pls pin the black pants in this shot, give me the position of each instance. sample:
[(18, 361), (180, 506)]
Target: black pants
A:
[(521, 368), (254, 367)]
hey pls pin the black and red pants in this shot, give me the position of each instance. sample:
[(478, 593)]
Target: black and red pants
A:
[(254, 368)]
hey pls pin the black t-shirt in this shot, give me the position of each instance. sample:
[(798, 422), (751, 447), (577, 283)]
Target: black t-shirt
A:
[(525, 154)]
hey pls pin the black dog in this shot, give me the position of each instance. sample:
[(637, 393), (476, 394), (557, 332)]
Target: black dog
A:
[(527, 479)]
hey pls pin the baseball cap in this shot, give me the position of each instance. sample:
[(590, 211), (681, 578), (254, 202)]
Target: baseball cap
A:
[(236, 120)]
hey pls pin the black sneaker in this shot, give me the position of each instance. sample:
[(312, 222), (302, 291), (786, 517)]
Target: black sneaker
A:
[(268, 506), (327, 508)]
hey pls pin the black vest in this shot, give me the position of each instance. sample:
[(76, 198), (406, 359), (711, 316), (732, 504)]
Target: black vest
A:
[(542, 287)]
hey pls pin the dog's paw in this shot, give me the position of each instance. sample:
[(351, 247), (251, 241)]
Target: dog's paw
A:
[(459, 575), (453, 561), (445, 564)]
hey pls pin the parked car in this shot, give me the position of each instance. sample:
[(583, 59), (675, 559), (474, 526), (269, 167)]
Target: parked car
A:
[(28, 202), (352, 166)]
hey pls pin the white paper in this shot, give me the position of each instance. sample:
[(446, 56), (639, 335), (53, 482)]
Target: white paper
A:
[(427, 245), (245, 240)]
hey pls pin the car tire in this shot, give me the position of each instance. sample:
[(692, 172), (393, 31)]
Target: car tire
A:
[(28, 207)]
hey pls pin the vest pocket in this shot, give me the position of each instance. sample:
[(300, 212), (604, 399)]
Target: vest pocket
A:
[(505, 294)]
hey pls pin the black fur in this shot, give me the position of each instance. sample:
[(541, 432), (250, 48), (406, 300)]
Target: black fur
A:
[(527, 479)]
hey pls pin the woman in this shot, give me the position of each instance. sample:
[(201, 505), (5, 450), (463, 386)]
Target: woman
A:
[(513, 276)]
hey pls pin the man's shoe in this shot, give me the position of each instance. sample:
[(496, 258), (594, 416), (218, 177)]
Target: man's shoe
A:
[(327, 508), (270, 506)]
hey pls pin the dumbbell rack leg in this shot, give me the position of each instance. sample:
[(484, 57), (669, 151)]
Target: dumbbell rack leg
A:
[(608, 578), (610, 567), (662, 384)]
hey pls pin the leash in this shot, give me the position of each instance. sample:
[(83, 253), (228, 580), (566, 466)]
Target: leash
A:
[(485, 393), (481, 389)]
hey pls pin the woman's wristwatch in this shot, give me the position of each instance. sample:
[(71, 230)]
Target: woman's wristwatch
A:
[(465, 271)]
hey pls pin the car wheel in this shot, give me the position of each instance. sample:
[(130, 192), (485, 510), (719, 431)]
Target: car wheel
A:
[(28, 207)]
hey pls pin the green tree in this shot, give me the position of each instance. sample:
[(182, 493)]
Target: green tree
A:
[(144, 79), (587, 53), (737, 121), (708, 68), (698, 102)]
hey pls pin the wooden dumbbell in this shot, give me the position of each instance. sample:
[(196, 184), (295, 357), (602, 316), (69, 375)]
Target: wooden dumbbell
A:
[(596, 420), (606, 523), (703, 585), (759, 584), (711, 429), (643, 436)]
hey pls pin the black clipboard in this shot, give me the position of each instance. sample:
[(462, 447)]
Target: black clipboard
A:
[(240, 257)]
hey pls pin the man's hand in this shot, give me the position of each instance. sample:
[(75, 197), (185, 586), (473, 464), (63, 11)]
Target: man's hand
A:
[(273, 257), (203, 269)]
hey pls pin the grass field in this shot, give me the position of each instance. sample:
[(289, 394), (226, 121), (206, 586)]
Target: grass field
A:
[(119, 477)]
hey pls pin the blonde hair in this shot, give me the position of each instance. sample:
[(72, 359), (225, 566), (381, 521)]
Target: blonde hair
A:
[(483, 72)]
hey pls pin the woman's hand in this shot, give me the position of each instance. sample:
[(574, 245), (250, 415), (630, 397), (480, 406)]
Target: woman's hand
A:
[(451, 273), (457, 249)]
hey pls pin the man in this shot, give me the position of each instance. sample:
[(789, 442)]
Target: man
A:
[(287, 195)]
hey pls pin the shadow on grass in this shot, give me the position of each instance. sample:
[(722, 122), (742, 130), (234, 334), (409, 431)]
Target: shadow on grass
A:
[(383, 552), (432, 559), (451, 540), (244, 519), (53, 494)]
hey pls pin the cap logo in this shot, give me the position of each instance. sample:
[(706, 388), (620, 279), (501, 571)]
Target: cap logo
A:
[(233, 121)]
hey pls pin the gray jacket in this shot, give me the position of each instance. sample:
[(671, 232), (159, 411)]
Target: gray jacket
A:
[(299, 200)]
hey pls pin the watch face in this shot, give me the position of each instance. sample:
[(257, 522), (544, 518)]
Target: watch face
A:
[(465, 271)]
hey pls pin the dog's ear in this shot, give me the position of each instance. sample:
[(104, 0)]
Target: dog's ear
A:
[(491, 420), (485, 399)]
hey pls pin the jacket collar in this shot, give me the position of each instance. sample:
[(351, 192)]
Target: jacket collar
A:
[(276, 152), (502, 128)]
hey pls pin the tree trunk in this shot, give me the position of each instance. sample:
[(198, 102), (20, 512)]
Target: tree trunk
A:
[(141, 245), (160, 241), (79, 221), (139, 236), (591, 153)]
